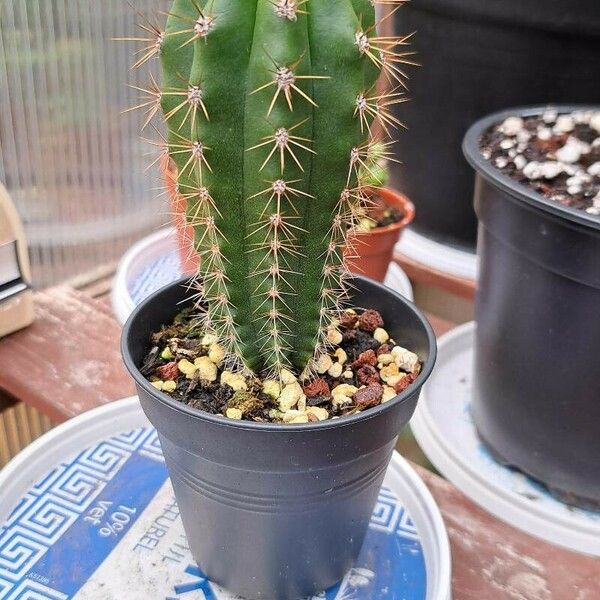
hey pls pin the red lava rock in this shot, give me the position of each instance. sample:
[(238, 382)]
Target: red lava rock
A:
[(348, 320), (367, 375), (318, 387), (405, 382), (370, 320), (551, 145), (384, 349), (168, 372), (369, 396), (365, 358)]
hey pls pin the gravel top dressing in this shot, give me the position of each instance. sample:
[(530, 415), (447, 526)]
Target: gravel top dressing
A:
[(362, 369), (378, 214), (558, 155)]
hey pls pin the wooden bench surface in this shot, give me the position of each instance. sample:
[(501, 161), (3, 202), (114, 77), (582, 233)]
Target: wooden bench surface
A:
[(69, 362)]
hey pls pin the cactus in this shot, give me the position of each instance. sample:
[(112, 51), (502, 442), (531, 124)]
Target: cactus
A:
[(269, 106)]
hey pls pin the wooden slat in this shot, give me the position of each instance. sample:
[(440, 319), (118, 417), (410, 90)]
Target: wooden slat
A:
[(420, 273), (69, 360), (494, 561)]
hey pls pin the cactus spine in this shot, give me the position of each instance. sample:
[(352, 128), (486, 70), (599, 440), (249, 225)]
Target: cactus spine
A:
[(269, 106)]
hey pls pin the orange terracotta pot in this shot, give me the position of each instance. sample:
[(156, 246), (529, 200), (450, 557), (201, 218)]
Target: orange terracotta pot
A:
[(372, 250)]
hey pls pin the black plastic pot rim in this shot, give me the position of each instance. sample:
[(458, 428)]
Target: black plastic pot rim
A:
[(517, 191), (370, 413)]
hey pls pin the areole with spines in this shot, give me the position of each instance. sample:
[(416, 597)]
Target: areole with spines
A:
[(269, 106)]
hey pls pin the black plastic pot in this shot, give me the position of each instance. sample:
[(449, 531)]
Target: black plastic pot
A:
[(479, 56), (537, 379), (275, 511)]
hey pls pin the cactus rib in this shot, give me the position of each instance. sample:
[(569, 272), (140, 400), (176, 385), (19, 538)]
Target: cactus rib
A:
[(269, 106)]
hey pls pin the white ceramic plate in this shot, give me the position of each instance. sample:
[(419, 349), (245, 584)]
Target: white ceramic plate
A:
[(444, 428)]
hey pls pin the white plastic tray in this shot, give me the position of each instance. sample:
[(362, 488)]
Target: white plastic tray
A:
[(444, 428), (154, 262), (440, 257), (87, 512)]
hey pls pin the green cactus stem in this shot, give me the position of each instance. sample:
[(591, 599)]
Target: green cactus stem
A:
[(269, 106)]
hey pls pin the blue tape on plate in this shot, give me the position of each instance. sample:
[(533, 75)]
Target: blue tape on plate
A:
[(105, 526)]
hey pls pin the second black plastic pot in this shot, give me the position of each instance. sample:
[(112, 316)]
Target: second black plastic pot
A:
[(479, 56), (536, 399), (275, 511)]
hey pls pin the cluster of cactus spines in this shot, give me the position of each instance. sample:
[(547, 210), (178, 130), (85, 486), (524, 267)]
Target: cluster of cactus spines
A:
[(270, 106)]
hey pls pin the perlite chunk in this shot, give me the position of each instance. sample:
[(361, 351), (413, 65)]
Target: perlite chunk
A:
[(405, 359), (207, 370), (234, 380)]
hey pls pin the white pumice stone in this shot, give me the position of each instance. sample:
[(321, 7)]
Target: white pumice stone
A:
[(388, 393), (579, 179), (385, 359), (234, 413), (581, 116), (320, 413), (335, 370), (507, 144), (342, 394), (272, 388), (523, 136), (341, 355), (334, 336), (287, 377), (290, 416), (235, 380), (207, 369), (551, 169), (501, 162), (544, 133), (594, 169), (381, 335), (405, 359), (216, 353), (389, 371), (209, 339), (574, 190), (519, 161), (187, 368), (323, 364), (550, 115), (532, 170), (301, 403), (512, 126), (564, 124), (289, 396), (569, 153), (595, 121)]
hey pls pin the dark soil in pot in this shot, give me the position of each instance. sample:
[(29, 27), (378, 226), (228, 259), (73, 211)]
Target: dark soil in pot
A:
[(556, 155), (362, 368), (536, 376), (272, 510), (496, 54)]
